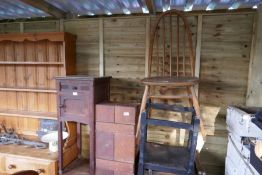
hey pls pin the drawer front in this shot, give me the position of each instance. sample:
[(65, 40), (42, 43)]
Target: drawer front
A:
[(105, 145), (80, 86), (13, 165), (125, 115), (115, 142), (124, 148), (105, 113), (119, 168)]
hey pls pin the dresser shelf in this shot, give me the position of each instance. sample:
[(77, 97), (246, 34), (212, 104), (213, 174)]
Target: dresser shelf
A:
[(28, 90), (29, 63), (31, 114)]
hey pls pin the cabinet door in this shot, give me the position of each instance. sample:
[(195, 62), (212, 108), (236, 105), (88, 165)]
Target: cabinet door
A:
[(74, 105)]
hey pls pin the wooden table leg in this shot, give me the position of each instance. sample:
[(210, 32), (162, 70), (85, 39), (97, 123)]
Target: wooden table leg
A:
[(60, 147), (92, 148), (79, 139)]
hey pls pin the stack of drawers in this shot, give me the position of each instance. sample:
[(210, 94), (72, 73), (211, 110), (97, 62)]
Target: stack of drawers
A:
[(115, 139)]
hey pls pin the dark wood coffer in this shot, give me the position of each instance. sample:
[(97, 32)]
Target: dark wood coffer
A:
[(115, 139), (77, 97)]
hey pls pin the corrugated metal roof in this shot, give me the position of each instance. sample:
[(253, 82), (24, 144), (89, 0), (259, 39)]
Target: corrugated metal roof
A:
[(98, 7), (13, 9), (163, 5)]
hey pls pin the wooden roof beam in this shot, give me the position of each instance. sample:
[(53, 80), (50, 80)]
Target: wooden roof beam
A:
[(151, 6), (46, 7)]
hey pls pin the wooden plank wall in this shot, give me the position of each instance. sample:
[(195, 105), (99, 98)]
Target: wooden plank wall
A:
[(226, 44), (254, 95), (124, 55), (224, 60), (87, 45)]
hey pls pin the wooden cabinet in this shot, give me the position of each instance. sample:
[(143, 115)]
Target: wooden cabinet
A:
[(29, 63), (115, 139), (77, 96), (15, 158)]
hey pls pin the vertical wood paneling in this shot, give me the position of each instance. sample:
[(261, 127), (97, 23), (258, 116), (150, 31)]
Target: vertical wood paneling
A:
[(101, 48), (254, 94), (20, 76), (41, 73), (53, 55), (10, 73), (31, 79), (2, 77)]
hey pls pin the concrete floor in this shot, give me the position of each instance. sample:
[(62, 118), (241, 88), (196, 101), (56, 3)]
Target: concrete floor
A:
[(78, 167)]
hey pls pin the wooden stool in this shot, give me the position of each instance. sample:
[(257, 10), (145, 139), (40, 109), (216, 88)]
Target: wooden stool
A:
[(165, 158)]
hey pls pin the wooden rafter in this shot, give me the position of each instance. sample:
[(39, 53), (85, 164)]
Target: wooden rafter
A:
[(46, 7), (151, 6)]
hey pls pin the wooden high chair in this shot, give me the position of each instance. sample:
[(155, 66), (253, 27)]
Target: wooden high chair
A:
[(171, 62)]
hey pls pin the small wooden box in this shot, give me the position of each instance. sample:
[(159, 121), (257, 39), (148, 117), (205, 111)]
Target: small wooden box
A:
[(115, 138)]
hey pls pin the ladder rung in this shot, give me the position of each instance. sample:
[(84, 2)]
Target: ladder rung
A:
[(171, 96)]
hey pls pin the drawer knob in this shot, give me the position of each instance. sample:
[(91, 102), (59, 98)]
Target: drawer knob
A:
[(39, 171), (11, 166)]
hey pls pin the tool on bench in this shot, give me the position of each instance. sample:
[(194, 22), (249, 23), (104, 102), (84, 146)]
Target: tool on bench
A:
[(10, 137)]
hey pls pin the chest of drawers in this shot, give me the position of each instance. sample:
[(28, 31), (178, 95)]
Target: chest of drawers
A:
[(115, 139)]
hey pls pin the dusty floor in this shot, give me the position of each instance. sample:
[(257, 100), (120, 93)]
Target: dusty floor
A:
[(78, 167)]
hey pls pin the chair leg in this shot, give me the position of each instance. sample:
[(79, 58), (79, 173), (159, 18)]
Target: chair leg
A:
[(142, 108), (141, 169), (190, 99), (197, 109)]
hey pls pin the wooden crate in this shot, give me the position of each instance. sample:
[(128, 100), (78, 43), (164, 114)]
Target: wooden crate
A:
[(115, 138)]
